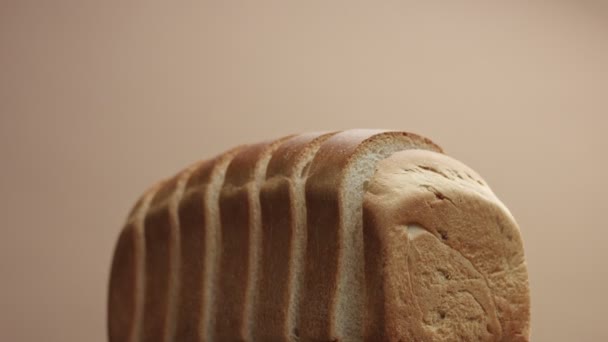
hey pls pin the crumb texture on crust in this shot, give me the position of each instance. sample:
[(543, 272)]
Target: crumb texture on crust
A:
[(451, 257)]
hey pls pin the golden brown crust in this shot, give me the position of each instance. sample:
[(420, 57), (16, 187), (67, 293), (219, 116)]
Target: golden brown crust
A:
[(430, 214), (281, 200)]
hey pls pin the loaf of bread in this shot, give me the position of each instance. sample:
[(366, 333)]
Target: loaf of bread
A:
[(359, 235)]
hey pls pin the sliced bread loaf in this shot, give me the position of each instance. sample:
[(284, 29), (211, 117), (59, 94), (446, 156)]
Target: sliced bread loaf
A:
[(358, 235)]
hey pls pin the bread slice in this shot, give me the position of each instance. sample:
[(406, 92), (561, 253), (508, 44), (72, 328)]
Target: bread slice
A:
[(283, 238), (333, 301), (199, 231), (241, 220), (162, 259), (126, 288), (444, 256)]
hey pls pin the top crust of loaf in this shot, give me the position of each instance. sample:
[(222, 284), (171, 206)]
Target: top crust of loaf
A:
[(338, 152), (287, 160), (250, 164), (207, 170), (139, 210)]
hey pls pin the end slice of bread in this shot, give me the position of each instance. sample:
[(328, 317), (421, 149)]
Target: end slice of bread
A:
[(333, 291), (444, 257)]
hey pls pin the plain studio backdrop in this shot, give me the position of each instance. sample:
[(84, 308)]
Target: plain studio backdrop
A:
[(99, 99)]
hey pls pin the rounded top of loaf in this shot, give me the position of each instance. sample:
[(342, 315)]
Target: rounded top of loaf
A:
[(202, 175), (288, 159), (250, 163), (338, 153)]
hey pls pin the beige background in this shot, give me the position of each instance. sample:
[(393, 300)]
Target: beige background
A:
[(100, 99)]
